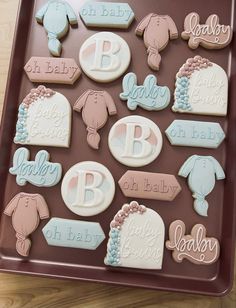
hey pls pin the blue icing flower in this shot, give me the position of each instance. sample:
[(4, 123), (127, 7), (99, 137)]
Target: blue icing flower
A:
[(181, 94), (113, 247), (21, 132)]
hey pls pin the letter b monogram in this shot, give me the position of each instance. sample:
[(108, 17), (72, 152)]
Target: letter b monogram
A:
[(105, 58), (89, 188)]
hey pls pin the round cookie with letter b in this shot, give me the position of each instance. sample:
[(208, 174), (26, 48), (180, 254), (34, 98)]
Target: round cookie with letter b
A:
[(88, 188), (135, 141), (104, 56)]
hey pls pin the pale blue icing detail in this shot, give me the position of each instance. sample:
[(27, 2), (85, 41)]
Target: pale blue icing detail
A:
[(39, 172), (181, 94), (107, 14), (113, 248), (149, 96), (202, 172), (195, 133), (21, 129), (55, 15), (73, 233)]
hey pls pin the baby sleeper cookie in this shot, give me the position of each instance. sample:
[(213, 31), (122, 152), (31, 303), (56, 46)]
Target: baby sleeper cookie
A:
[(149, 96), (56, 15), (211, 35), (202, 172), (195, 247), (201, 88), (96, 106), (156, 31), (136, 238), (44, 118), (88, 188), (104, 56), (135, 141), (26, 211)]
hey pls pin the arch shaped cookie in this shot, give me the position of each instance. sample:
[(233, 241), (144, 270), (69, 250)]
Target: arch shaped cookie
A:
[(44, 118), (201, 88), (136, 238)]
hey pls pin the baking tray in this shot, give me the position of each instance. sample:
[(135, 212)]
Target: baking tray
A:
[(30, 40)]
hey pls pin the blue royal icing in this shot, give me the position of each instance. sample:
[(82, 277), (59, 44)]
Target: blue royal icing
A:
[(149, 96), (21, 130), (181, 94), (39, 172), (73, 233), (113, 250), (107, 14), (202, 172)]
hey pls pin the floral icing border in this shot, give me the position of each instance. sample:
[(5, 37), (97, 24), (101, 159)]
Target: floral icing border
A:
[(113, 246), (182, 82), (39, 93)]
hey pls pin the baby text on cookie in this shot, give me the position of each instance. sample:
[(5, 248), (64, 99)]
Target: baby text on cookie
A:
[(73, 233)]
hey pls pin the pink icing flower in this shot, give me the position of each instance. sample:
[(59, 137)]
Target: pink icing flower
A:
[(113, 224), (125, 208)]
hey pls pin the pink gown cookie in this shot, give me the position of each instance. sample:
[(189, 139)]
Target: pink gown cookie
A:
[(156, 30), (26, 211), (96, 105)]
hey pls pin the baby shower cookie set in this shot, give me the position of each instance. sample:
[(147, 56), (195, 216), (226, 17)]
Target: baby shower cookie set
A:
[(119, 153)]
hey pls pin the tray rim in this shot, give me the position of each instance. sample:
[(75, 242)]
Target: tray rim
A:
[(27, 268)]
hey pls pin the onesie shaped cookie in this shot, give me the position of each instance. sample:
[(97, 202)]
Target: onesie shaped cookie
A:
[(210, 35), (156, 30), (55, 16), (26, 211), (136, 238), (202, 172), (96, 106)]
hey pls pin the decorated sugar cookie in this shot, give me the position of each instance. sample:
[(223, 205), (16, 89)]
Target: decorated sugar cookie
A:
[(136, 238), (156, 30), (211, 35), (135, 141), (149, 96), (202, 172), (195, 247), (44, 118), (104, 56), (201, 87), (39, 172), (106, 14), (88, 188), (56, 15), (195, 134), (148, 185), (73, 233), (26, 211), (95, 106), (52, 70)]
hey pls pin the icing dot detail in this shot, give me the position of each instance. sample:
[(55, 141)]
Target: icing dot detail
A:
[(126, 210), (192, 65), (182, 81), (40, 92), (113, 250)]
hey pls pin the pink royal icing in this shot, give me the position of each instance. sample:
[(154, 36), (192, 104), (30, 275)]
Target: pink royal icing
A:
[(192, 65), (39, 92)]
